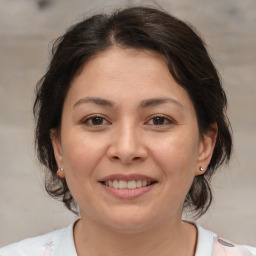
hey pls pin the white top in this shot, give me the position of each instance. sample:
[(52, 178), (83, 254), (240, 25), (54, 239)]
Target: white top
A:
[(61, 243)]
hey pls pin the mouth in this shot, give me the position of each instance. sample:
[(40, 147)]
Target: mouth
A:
[(128, 184)]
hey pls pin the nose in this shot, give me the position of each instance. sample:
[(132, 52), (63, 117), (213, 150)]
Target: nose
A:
[(127, 145)]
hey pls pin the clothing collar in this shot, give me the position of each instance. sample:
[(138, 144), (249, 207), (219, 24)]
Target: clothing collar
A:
[(204, 241), (65, 246)]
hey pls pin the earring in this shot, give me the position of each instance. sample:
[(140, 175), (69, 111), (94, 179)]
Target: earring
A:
[(60, 170), (201, 168), (60, 173)]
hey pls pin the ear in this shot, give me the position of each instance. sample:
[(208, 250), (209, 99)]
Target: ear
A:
[(57, 148), (206, 148)]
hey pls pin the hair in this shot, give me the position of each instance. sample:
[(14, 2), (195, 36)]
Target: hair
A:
[(139, 28)]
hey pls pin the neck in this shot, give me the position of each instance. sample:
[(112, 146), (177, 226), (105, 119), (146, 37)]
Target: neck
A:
[(169, 239)]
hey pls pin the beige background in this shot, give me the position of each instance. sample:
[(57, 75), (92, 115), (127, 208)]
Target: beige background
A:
[(229, 28)]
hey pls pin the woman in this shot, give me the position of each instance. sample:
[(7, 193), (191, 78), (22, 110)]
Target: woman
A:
[(131, 126)]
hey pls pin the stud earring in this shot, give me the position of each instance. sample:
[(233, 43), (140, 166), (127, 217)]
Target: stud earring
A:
[(60, 173), (60, 170), (201, 168)]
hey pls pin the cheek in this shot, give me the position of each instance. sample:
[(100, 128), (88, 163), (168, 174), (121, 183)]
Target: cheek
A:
[(81, 157), (176, 153), (81, 153), (177, 158)]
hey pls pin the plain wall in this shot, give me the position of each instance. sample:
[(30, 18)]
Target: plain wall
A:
[(228, 27)]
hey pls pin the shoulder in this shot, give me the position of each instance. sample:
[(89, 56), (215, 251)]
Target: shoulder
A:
[(35, 246), (224, 247), (44, 245), (210, 244)]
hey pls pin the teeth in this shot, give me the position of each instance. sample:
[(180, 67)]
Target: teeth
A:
[(115, 184), (131, 184), (122, 184), (139, 184)]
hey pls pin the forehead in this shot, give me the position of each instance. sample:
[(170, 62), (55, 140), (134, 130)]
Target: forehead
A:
[(112, 61), (123, 73)]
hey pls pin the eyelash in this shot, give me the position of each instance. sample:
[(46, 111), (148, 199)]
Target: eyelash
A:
[(102, 119), (164, 118), (90, 118)]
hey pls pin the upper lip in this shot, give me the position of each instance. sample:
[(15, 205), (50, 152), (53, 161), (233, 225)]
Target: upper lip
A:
[(127, 177)]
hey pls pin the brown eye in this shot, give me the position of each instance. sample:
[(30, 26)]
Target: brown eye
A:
[(159, 120), (96, 121)]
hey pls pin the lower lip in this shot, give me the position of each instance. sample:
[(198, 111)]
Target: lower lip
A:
[(128, 193)]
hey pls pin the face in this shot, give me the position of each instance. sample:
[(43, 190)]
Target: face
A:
[(129, 141)]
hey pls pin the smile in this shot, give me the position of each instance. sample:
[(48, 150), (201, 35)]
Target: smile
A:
[(128, 186), (131, 184)]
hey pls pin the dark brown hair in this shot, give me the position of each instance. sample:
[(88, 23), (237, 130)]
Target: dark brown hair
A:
[(140, 28)]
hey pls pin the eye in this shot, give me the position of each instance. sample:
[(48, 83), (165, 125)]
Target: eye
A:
[(159, 120), (95, 121)]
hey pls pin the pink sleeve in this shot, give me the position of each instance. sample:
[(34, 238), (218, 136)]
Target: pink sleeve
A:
[(48, 249), (225, 248)]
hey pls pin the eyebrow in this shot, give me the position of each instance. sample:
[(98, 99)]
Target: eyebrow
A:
[(144, 104), (158, 101), (95, 100)]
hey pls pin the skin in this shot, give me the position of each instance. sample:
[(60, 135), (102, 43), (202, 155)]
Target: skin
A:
[(159, 140)]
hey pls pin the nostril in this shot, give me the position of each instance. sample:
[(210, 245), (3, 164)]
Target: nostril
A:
[(43, 4)]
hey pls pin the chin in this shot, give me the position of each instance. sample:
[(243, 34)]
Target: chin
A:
[(131, 222)]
